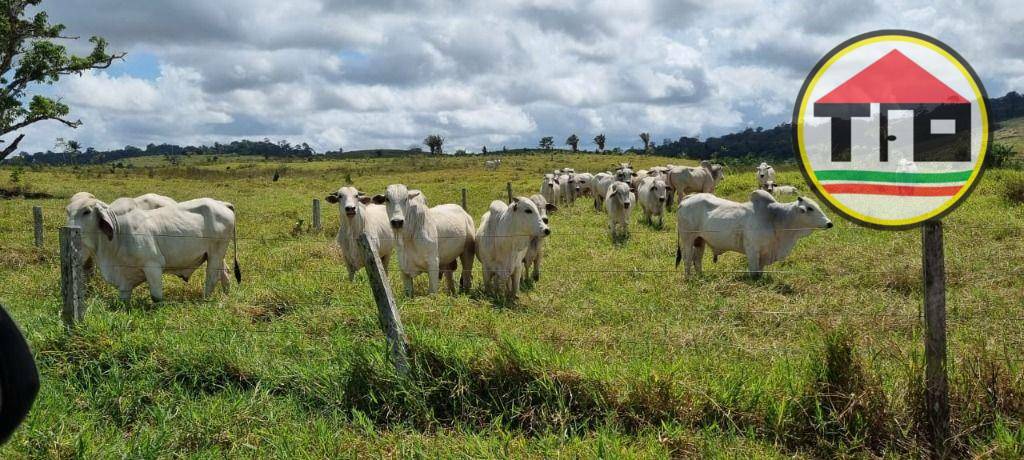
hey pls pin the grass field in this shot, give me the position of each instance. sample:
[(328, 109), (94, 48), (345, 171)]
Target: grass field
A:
[(611, 354)]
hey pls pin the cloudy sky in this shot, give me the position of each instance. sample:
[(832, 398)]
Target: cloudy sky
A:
[(385, 73)]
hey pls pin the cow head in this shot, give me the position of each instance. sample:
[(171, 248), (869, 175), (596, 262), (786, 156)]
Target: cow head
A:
[(349, 200), (808, 214), (527, 219), (396, 199), (659, 190), (96, 221), (543, 207), (620, 190)]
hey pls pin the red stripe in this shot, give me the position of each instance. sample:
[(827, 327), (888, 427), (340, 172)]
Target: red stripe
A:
[(895, 190)]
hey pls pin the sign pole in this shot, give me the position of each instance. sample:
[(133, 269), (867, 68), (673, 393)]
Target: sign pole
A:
[(936, 380)]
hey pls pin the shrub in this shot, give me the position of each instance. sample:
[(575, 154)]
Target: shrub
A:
[(1000, 154)]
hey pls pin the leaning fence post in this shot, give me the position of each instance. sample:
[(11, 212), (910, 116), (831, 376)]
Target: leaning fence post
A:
[(316, 215), (936, 380), (37, 222), (387, 310), (464, 208), (508, 187), (72, 282)]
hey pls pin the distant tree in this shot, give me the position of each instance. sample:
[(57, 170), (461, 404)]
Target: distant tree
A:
[(574, 142), (435, 142), (484, 150), (29, 59), (646, 138), (599, 140), (547, 142), (70, 148)]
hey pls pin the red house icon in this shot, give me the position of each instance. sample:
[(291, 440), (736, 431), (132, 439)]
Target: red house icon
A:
[(941, 116)]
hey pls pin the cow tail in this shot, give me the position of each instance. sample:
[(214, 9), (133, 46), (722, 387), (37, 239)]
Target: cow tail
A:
[(238, 269), (679, 254)]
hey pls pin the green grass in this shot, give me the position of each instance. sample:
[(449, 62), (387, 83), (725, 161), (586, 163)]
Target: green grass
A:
[(612, 353)]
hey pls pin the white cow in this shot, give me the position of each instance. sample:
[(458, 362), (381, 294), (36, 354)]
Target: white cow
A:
[(765, 176), (583, 184), (599, 188), (358, 215), (550, 189), (652, 195), (535, 252), (701, 179), (432, 240), (619, 204), (625, 173), (119, 206), (492, 164), (762, 229), (565, 185), (143, 244), (780, 191), (502, 242)]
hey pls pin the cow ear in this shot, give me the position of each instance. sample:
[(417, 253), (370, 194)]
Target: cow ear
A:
[(800, 199), (332, 198), (551, 207), (378, 199), (365, 199), (103, 220), (414, 193), (633, 174)]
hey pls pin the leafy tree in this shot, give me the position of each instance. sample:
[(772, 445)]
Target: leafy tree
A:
[(484, 150), (70, 148), (30, 56), (547, 142), (599, 140), (646, 138), (435, 142), (574, 142), (999, 155)]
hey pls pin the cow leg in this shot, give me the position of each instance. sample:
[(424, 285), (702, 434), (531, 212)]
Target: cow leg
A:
[(225, 278), (466, 279), (154, 277), (351, 273), (433, 272), (753, 261), (536, 264), (517, 277), (407, 283), (698, 258), (449, 276), (125, 294)]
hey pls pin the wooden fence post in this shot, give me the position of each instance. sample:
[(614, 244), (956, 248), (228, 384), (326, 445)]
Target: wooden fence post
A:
[(935, 376), (316, 215), (387, 310), (464, 208), (508, 186), (72, 282), (37, 221)]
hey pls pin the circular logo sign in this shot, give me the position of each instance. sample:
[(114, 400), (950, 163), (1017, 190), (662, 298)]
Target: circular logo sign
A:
[(891, 129)]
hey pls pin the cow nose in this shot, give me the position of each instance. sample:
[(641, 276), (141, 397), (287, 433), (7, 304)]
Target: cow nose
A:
[(397, 223), (828, 225), (547, 231), (625, 205), (350, 209), (661, 200)]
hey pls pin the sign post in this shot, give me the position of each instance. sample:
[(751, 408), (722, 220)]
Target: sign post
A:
[(891, 130)]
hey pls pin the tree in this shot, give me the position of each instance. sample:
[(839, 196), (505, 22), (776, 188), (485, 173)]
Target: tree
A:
[(30, 57), (547, 142), (70, 148), (574, 142), (434, 142), (599, 140), (484, 150), (646, 137)]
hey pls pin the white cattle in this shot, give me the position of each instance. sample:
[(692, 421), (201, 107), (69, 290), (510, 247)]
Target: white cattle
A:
[(599, 186), (634, 182), (431, 240), (619, 204), (143, 244), (582, 184), (358, 215), (492, 164), (765, 176), (119, 206), (535, 252), (565, 185), (624, 173), (784, 190), (550, 189), (762, 229), (502, 242), (701, 179), (652, 195)]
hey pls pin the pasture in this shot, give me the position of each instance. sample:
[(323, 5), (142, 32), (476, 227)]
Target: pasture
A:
[(612, 353)]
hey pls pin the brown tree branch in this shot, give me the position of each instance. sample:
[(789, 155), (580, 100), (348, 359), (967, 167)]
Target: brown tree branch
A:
[(11, 148), (29, 121)]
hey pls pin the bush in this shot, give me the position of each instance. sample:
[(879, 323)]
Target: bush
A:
[(1000, 154)]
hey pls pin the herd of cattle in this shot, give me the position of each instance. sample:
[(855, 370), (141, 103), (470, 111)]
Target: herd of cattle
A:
[(136, 240)]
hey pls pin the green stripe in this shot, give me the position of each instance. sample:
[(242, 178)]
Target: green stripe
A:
[(888, 176)]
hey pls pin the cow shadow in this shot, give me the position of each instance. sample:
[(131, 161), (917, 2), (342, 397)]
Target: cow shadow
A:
[(619, 240), (767, 281)]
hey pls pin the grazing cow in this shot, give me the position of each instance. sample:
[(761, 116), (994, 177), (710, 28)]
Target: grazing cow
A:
[(358, 215), (582, 184), (599, 188), (762, 229), (565, 185), (432, 240), (765, 176), (550, 188), (619, 204), (652, 195), (502, 242), (143, 244), (780, 191), (120, 206), (535, 252), (492, 164), (701, 179)]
